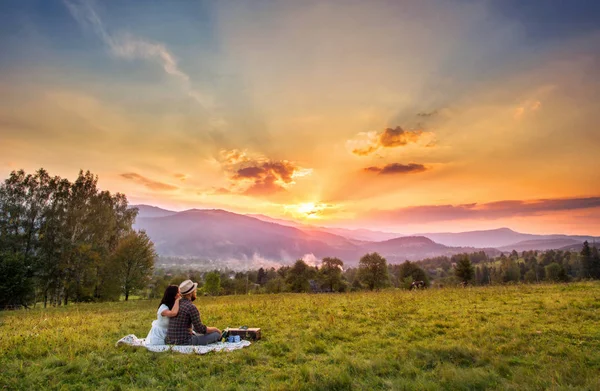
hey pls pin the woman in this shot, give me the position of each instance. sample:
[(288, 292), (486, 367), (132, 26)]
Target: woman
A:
[(168, 308)]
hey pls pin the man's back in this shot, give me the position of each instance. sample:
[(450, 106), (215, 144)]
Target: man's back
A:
[(180, 326)]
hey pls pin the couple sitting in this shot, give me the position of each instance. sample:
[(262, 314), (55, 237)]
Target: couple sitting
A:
[(175, 317)]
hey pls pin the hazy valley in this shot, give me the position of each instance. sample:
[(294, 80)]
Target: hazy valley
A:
[(214, 238)]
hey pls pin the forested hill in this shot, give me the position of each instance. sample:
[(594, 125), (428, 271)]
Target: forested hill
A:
[(232, 239)]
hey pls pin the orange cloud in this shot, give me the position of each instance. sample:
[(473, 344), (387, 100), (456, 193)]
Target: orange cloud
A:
[(149, 183), (235, 156), (181, 177), (397, 137), (222, 190), (366, 151), (257, 175), (390, 138), (266, 178)]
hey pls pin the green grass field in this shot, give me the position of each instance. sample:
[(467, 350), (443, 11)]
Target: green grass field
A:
[(513, 337)]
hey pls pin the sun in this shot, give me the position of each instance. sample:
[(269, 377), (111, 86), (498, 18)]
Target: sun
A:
[(308, 210)]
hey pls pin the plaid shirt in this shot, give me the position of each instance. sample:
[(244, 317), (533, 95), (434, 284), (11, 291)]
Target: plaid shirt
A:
[(180, 331)]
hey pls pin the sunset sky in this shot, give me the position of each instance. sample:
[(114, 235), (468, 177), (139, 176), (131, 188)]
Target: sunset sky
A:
[(406, 116)]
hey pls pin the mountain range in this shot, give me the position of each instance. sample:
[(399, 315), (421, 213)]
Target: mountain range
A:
[(229, 239)]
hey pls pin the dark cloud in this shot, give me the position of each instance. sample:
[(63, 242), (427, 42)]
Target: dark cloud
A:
[(427, 115), (262, 178), (391, 138), (256, 175), (149, 183), (488, 211), (398, 137), (249, 172), (282, 171), (397, 168), (264, 186), (366, 151)]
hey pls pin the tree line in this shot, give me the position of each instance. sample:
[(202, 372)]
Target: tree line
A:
[(535, 266), (63, 241), (373, 272)]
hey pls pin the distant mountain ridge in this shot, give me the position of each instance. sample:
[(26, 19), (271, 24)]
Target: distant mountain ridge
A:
[(418, 247), (485, 238), (542, 244), (226, 238), (152, 211), (505, 239), (221, 235), (231, 238), (354, 234)]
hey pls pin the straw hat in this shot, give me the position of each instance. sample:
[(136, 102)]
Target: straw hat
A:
[(187, 287)]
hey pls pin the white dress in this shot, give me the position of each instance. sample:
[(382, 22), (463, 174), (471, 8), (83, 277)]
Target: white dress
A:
[(158, 332)]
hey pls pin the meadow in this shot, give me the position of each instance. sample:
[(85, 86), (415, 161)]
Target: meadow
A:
[(522, 337)]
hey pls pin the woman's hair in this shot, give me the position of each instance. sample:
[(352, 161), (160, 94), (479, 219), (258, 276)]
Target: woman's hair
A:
[(169, 296)]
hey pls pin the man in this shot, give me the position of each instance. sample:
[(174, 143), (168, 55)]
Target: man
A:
[(180, 327)]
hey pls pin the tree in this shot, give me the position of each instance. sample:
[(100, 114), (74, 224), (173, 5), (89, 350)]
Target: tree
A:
[(573, 265), (331, 273), (275, 285), (522, 270), (23, 201), (510, 270), (409, 272), (271, 274), (241, 283), (464, 270), (586, 260), (212, 283), (159, 282), (134, 262), (62, 236), (373, 271), (356, 285), (112, 220), (595, 263), (540, 271), (556, 272), (482, 275), (15, 286), (53, 243), (261, 277), (530, 276), (299, 275), (478, 277)]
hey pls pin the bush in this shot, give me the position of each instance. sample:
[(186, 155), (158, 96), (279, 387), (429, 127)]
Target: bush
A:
[(556, 272), (16, 287), (530, 276)]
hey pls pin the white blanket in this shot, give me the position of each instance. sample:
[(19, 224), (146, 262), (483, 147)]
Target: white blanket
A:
[(132, 340)]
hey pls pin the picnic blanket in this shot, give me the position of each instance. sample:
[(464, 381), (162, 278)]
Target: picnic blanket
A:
[(132, 340)]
